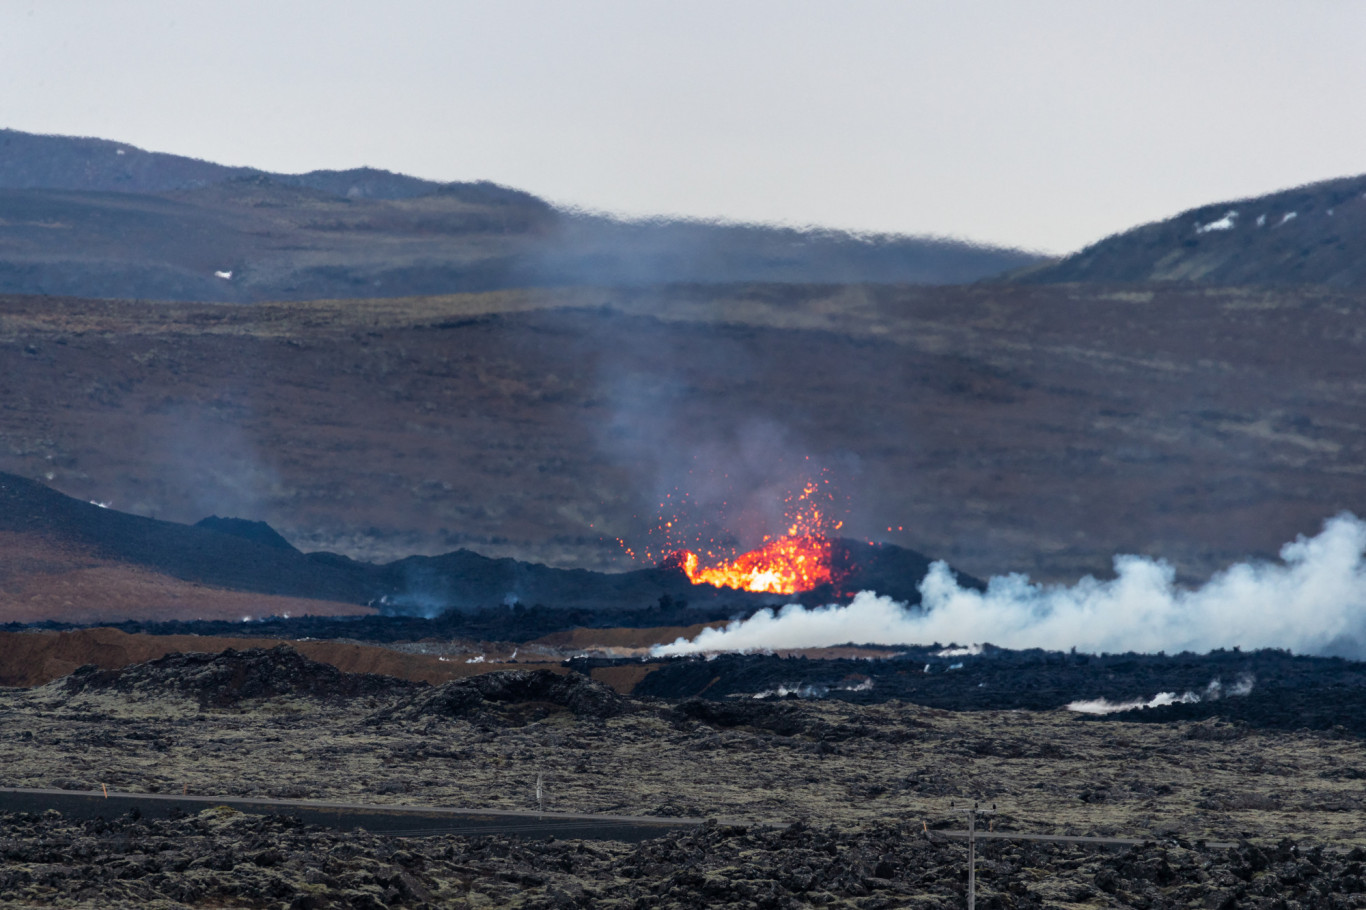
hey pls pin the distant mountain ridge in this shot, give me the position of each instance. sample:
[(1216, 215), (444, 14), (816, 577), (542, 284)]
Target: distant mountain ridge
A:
[(30, 161), (1314, 234), (94, 218)]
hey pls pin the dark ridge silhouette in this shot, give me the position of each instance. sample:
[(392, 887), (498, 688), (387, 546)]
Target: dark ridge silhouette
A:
[(100, 219), (257, 531), (181, 551), (250, 556), (32, 161), (1314, 234)]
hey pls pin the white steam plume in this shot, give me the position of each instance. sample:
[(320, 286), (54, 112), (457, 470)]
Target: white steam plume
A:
[(1213, 692), (1312, 602)]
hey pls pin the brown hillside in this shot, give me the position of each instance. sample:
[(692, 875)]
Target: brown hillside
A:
[(1039, 428), (41, 579)]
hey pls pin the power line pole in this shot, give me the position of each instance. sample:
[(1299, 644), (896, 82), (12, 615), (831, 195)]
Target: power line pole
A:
[(972, 848), (992, 834), (972, 861)]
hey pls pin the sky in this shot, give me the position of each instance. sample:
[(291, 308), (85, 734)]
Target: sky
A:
[(1043, 124)]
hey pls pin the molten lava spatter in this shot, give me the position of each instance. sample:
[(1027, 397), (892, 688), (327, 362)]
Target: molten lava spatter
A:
[(783, 566), (800, 560)]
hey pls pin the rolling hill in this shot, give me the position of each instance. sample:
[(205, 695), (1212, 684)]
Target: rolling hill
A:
[(1308, 235), (93, 218)]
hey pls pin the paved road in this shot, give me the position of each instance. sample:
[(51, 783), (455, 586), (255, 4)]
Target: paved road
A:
[(396, 820), (429, 820)]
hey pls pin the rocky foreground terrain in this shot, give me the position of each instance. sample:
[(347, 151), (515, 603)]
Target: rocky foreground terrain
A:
[(817, 802), (222, 858)]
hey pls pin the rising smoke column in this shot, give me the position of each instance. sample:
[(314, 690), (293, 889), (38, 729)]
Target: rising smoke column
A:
[(1312, 602)]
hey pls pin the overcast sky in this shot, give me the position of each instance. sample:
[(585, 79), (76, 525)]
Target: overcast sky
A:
[(1039, 124)]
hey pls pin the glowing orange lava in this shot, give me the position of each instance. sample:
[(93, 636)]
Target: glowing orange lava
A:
[(783, 566), (797, 561)]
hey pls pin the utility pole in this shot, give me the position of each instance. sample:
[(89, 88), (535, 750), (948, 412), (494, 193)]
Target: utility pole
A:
[(972, 848), (972, 860), (992, 834)]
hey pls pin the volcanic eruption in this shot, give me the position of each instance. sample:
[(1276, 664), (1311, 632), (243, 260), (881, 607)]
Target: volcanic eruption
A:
[(798, 560)]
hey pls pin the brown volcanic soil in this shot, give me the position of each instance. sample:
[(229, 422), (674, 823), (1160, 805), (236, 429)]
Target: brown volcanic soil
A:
[(31, 658), (35, 658), (622, 638), (41, 579), (1041, 429)]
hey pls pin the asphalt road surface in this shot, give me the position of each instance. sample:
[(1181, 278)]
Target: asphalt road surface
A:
[(416, 821), (394, 820)]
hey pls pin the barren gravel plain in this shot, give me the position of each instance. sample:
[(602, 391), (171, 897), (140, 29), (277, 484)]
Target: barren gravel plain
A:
[(817, 802)]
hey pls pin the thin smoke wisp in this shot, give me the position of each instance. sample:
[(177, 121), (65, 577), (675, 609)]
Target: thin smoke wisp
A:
[(1313, 601)]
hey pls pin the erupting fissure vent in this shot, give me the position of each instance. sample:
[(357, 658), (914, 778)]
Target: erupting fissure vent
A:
[(799, 560)]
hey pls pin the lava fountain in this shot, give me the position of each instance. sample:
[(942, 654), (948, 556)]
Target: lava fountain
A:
[(798, 560)]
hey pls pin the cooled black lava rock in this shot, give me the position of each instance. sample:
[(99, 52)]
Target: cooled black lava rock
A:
[(780, 719), (228, 678), (519, 623), (1327, 706), (578, 693), (507, 695), (1263, 689)]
